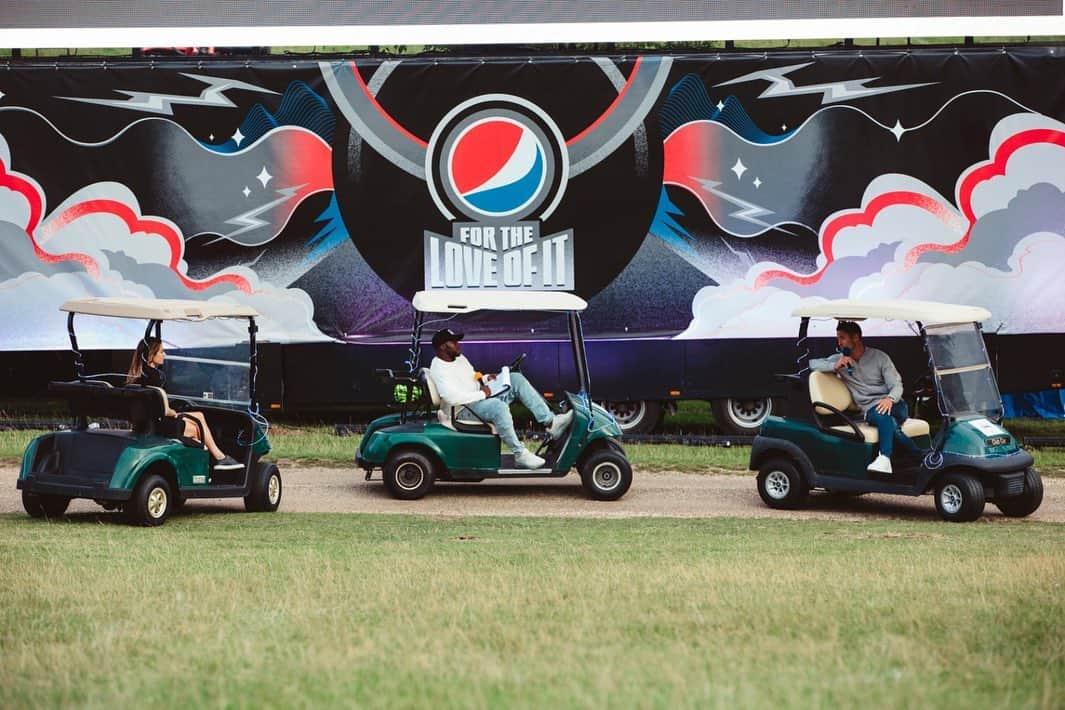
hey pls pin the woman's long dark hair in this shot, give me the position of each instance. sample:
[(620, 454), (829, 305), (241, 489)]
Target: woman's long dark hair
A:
[(147, 349)]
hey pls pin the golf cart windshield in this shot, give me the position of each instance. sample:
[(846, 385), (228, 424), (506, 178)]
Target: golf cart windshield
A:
[(216, 374), (965, 380)]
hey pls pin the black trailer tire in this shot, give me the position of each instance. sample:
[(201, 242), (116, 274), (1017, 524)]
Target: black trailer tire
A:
[(781, 484), (409, 475), (265, 494), (39, 505), (960, 497), (606, 474), (151, 503), (1026, 503), (641, 416), (741, 416)]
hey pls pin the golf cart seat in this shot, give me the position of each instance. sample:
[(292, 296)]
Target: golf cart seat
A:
[(836, 412), (446, 415)]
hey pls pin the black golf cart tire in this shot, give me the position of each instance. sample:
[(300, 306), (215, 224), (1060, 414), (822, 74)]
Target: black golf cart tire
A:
[(960, 497), (40, 505), (398, 472), (641, 416), (1026, 503), (606, 474), (266, 488), (151, 502), (732, 417), (781, 484)]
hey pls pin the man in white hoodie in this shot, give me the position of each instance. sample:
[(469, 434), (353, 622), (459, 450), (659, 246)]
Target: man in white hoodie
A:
[(454, 378)]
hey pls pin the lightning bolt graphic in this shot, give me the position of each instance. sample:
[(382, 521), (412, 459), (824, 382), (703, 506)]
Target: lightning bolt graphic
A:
[(748, 211), (247, 221), (833, 92), (214, 95)]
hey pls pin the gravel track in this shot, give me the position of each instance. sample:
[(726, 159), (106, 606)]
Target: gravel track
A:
[(660, 494)]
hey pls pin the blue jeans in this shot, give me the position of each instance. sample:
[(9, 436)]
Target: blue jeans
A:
[(888, 426), (497, 410)]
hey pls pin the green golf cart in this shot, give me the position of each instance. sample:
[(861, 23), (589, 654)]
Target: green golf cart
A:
[(824, 442), (150, 468), (421, 445)]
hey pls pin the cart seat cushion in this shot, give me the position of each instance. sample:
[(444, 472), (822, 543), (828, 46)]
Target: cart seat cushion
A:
[(443, 414), (911, 428), (138, 405), (826, 387)]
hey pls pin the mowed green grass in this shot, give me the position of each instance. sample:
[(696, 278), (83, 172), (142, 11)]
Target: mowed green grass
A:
[(280, 610)]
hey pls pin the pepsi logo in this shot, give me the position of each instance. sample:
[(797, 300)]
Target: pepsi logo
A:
[(496, 167), (496, 158)]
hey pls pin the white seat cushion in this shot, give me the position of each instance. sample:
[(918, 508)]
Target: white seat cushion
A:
[(826, 387)]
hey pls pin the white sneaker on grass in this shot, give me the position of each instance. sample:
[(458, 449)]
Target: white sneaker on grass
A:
[(881, 464), (527, 459)]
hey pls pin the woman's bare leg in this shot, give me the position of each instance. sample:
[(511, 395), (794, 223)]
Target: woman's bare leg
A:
[(208, 439)]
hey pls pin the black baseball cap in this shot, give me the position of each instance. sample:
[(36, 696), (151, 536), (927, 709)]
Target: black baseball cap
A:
[(442, 336)]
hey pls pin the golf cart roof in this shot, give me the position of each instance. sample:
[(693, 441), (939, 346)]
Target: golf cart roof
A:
[(927, 312), (158, 309), (469, 300)]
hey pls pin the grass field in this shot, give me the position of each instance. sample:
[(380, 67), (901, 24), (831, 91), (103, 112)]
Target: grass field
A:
[(386, 611)]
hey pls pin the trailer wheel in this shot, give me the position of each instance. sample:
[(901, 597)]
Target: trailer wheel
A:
[(743, 416), (39, 505), (641, 416), (606, 474), (781, 485), (1026, 503), (960, 497), (409, 475)]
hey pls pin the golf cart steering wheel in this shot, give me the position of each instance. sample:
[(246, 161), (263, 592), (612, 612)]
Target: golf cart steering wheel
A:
[(515, 366), (924, 392)]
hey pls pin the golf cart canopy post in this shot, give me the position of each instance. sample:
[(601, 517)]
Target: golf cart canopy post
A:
[(158, 310)]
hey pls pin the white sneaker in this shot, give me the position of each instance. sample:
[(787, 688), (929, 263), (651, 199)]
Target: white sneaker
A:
[(881, 464), (527, 459), (559, 424)]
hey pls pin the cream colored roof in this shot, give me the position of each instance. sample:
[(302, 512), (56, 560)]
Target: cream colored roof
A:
[(158, 308), (927, 312), (469, 300)]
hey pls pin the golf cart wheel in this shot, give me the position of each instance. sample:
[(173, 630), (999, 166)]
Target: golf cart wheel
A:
[(152, 502), (741, 416), (409, 475), (39, 505), (960, 497), (606, 475), (781, 485), (1026, 503), (638, 417), (265, 495)]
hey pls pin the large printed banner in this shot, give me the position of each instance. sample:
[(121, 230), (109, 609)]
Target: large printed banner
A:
[(692, 197)]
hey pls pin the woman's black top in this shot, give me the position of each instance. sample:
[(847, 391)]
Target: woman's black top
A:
[(152, 377)]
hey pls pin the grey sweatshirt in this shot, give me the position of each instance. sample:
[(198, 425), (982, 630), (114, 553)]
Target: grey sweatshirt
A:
[(873, 378)]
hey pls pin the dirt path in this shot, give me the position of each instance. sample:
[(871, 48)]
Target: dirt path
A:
[(665, 494)]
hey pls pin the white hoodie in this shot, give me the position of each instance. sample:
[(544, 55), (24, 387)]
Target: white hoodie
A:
[(454, 382)]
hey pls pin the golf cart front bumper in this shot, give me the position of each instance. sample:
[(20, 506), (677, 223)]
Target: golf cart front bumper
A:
[(71, 489)]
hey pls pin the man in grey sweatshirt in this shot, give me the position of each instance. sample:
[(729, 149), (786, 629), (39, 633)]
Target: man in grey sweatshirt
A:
[(876, 388)]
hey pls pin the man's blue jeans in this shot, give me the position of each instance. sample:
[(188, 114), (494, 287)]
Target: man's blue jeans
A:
[(888, 426), (497, 409)]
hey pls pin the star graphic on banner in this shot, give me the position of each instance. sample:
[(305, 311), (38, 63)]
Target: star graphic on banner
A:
[(246, 191), (210, 137), (757, 183), (898, 130), (237, 138), (720, 105), (264, 177), (739, 168), (783, 126)]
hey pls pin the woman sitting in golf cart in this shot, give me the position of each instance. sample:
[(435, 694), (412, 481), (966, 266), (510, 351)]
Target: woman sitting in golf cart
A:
[(144, 370)]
